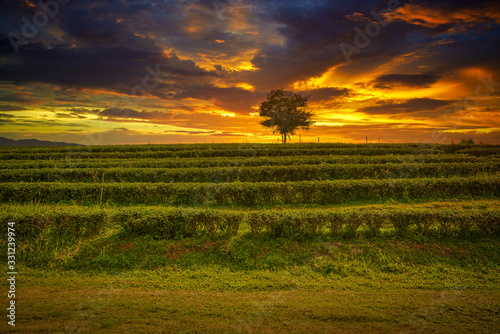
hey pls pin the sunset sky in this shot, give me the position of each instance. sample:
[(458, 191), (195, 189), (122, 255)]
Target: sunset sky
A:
[(174, 71)]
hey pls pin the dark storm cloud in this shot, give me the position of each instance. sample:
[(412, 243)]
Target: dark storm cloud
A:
[(11, 108), (13, 97), (313, 35), (390, 81), (235, 99), (409, 106), (468, 31), (131, 113), (99, 48), (324, 94), (472, 50), (119, 68), (85, 26)]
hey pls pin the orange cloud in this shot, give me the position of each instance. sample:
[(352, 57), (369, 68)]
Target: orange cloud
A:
[(433, 17)]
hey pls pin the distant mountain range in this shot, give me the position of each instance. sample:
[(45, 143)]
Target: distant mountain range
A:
[(32, 142)]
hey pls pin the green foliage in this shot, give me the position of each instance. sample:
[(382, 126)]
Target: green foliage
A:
[(251, 174), (179, 223), (286, 112), (32, 221), (252, 194), (104, 153), (195, 182), (243, 217), (80, 164), (175, 223)]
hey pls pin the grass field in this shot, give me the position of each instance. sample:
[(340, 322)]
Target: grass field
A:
[(253, 238)]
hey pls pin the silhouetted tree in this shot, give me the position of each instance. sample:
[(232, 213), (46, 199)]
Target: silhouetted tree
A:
[(286, 112)]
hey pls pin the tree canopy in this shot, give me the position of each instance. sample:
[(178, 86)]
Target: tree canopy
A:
[(286, 112)]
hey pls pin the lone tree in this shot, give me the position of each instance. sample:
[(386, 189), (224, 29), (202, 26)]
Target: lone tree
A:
[(286, 112)]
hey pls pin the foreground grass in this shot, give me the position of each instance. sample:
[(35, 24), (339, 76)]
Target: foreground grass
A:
[(119, 283), (136, 310), (248, 262), (386, 283)]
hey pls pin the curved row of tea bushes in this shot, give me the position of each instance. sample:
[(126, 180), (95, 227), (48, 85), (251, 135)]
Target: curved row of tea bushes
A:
[(258, 152), (218, 146), (251, 194), (61, 166), (174, 223), (251, 174)]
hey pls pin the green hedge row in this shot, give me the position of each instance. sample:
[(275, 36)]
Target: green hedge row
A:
[(251, 174), (358, 150), (251, 194), (230, 153), (174, 223), (241, 146), (244, 162), (218, 146), (349, 222), (78, 221), (479, 151)]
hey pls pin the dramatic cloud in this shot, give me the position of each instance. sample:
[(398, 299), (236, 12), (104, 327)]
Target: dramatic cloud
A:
[(11, 108), (232, 98), (117, 68), (389, 81), (131, 113), (323, 94), (449, 13), (410, 106)]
